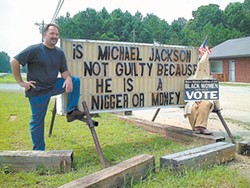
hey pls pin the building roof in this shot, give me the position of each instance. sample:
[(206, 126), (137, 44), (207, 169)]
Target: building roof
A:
[(233, 48)]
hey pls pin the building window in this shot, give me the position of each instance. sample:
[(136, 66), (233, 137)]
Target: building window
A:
[(216, 67)]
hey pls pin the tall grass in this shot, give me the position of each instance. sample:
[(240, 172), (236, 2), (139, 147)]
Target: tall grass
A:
[(119, 141)]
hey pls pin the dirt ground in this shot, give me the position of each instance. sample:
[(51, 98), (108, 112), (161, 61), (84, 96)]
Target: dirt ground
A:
[(235, 106)]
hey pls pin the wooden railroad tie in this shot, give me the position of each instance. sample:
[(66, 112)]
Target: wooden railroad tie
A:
[(58, 160), (211, 154), (173, 132), (119, 175)]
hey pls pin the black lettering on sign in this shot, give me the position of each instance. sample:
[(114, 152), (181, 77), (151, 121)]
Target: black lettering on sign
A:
[(197, 90), (114, 53), (176, 57), (150, 65), (77, 51), (159, 85), (185, 55), (175, 69), (95, 68), (138, 100), (133, 69), (159, 69), (170, 55), (103, 85), (119, 53), (128, 84), (104, 54), (132, 54), (171, 69), (109, 101), (178, 70), (165, 98), (119, 69), (194, 67), (202, 95)]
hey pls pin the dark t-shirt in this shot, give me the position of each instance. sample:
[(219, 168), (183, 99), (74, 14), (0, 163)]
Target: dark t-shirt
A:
[(43, 66)]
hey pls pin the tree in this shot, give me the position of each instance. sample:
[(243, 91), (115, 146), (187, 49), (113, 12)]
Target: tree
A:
[(176, 29), (104, 18), (208, 20), (67, 26), (137, 28), (237, 17), (207, 14), (219, 34), (246, 5), (4, 62), (157, 28)]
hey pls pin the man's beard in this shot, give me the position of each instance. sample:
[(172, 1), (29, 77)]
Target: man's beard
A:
[(53, 41)]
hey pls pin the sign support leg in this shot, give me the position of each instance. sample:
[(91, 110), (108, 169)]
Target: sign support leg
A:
[(91, 125), (94, 135), (52, 119), (156, 113), (217, 111)]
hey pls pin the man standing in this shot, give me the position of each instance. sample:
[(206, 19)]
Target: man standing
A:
[(44, 61)]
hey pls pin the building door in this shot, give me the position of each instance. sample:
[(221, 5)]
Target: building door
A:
[(231, 70)]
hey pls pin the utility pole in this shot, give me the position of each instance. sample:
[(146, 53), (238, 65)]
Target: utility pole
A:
[(41, 27), (133, 31)]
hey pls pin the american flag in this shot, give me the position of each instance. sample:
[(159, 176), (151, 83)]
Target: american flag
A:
[(204, 47)]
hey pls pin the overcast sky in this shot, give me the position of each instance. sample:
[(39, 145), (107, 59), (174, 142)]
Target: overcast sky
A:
[(18, 17)]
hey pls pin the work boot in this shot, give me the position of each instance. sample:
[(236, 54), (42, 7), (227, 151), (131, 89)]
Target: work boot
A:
[(202, 130), (75, 114)]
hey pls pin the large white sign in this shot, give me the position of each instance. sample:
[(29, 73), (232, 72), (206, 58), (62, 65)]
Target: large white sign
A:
[(125, 76)]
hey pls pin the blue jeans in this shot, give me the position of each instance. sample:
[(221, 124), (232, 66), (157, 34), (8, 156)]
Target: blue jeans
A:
[(39, 106)]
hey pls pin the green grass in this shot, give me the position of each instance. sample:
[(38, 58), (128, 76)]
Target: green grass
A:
[(119, 141), (7, 79), (234, 84)]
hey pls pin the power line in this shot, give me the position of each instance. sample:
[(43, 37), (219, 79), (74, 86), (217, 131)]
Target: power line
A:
[(42, 25), (59, 6)]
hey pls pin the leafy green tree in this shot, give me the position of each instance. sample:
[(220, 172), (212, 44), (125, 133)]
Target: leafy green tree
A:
[(86, 24), (246, 6), (67, 24), (219, 34), (144, 36), (237, 17), (138, 29), (207, 14), (156, 28), (4, 62), (190, 37), (208, 20), (117, 22), (104, 18), (176, 29)]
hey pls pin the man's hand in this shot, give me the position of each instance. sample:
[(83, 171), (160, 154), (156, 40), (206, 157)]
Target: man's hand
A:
[(27, 85), (68, 85)]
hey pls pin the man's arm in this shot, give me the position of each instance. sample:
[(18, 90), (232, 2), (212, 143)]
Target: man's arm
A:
[(65, 75), (68, 81), (15, 67)]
